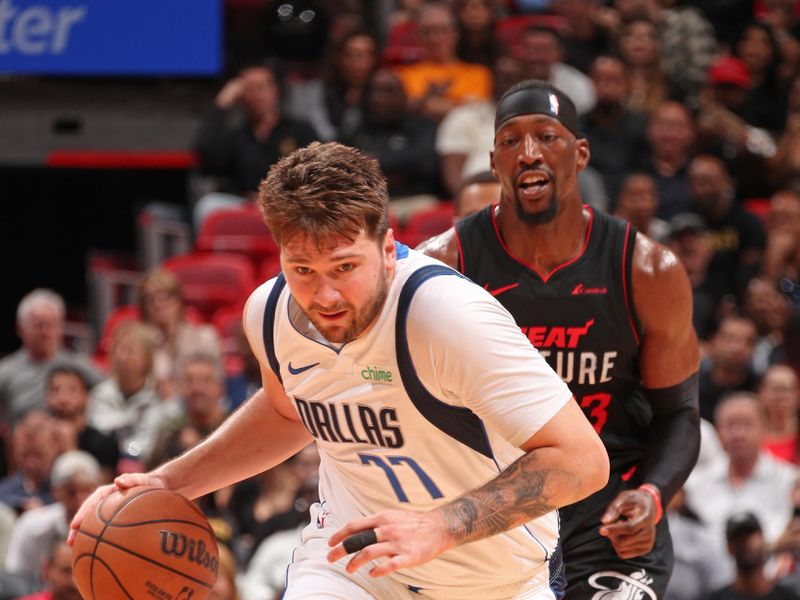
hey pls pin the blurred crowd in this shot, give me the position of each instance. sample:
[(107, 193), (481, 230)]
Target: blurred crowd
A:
[(692, 112)]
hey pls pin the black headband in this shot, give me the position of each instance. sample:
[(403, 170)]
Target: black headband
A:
[(537, 101)]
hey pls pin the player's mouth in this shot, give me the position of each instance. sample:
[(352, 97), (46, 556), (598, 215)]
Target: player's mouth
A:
[(332, 316), (532, 185)]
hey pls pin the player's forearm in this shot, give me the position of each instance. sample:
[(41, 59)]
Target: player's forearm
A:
[(674, 437), (672, 454), (255, 438), (534, 485)]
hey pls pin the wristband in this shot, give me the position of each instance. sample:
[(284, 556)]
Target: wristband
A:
[(649, 488)]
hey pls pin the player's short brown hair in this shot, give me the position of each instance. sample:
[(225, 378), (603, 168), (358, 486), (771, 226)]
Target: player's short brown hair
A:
[(325, 192)]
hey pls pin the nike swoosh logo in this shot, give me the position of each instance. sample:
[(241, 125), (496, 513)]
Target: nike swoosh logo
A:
[(299, 370), (500, 290)]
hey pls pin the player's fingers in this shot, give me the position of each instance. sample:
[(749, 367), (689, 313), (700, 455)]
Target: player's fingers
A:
[(393, 564), (354, 526), (614, 510), (369, 554), (353, 543), (92, 501), (617, 529), (129, 480)]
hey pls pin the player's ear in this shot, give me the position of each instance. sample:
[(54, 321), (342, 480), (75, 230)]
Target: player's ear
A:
[(491, 164), (389, 249), (582, 154)]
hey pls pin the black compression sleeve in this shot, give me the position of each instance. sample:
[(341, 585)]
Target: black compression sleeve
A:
[(674, 437)]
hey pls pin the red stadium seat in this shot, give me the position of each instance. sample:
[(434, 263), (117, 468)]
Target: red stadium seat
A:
[(240, 230), (426, 223), (211, 280)]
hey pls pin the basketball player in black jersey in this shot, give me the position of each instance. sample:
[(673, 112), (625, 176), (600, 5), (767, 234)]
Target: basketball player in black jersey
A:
[(611, 312)]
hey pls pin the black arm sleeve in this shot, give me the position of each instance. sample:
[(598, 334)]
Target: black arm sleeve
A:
[(674, 439)]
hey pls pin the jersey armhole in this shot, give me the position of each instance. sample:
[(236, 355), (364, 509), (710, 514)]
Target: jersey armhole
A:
[(269, 325), (461, 261), (627, 281), (458, 422)]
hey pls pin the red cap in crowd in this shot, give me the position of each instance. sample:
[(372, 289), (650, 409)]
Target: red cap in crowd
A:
[(728, 70)]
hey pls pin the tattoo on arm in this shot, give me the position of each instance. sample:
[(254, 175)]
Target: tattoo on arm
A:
[(520, 493)]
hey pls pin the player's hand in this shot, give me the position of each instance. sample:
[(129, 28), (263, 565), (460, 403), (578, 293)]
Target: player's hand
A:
[(630, 523), (406, 539), (230, 94), (123, 482)]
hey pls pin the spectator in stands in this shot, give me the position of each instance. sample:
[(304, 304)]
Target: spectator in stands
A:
[(690, 241), (779, 395), (57, 575), (477, 42), (465, 137), (440, 81), (769, 309), (616, 134), (202, 407), (750, 551), (700, 565), (245, 132), (332, 102), (402, 142), (33, 451), (785, 164), (686, 40), (724, 130), (40, 326), (161, 305), (738, 236), (671, 134), (750, 479), (477, 192), (542, 57), (127, 404), (726, 368), (757, 46), (225, 587), (275, 500), (637, 203), (74, 476), (66, 399), (638, 48), (782, 253), (582, 37)]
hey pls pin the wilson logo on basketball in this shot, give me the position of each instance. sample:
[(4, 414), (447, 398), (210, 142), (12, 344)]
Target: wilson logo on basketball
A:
[(180, 545)]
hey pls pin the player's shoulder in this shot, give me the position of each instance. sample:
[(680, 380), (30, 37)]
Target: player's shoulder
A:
[(653, 261), (442, 247)]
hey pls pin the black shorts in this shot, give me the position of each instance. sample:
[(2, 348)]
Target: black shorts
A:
[(593, 568)]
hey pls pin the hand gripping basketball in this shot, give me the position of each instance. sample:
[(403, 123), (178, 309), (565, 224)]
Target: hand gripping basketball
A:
[(359, 541)]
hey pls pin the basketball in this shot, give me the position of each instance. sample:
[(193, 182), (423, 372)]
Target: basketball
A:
[(144, 543)]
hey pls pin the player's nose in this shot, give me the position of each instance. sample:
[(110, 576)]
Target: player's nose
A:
[(531, 151), (326, 294)]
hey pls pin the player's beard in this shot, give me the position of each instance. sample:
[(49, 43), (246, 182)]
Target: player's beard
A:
[(539, 217), (360, 319)]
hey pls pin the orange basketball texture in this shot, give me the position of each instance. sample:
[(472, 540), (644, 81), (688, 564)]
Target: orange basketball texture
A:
[(145, 543)]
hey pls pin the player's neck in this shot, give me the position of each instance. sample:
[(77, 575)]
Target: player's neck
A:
[(548, 245)]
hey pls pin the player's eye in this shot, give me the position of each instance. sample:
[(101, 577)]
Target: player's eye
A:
[(302, 270), (346, 267)]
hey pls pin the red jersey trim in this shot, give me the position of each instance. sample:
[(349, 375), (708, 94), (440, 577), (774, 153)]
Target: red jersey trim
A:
[(546, 277), (628, 297), (460, 251)]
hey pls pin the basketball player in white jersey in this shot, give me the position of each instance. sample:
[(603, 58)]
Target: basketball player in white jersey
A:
[(446, 442)]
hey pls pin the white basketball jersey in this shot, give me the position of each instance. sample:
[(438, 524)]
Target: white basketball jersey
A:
[(431, 402)]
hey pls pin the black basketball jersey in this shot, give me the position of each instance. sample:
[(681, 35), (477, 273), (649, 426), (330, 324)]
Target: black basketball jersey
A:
[(580, 317)]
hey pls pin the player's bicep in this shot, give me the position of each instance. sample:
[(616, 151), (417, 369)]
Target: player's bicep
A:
[(276, 395), (669, 352)]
